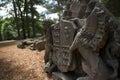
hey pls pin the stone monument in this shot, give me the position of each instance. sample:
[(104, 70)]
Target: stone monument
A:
[(85, 44)]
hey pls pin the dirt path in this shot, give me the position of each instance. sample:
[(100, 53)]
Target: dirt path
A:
[(21, 64)]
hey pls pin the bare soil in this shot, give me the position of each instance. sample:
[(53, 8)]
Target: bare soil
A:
[(21, 64)]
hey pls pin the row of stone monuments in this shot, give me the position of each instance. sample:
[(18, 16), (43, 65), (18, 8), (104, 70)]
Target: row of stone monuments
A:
[(85, 44)]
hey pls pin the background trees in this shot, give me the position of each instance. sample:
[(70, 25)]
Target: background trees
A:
[(24, 21), (0, 29), (26, 18)]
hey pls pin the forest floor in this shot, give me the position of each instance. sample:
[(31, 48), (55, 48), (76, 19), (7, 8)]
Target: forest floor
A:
[(21, 64)]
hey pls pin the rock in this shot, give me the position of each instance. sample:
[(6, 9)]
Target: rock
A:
[(39, 45), (33, 44)]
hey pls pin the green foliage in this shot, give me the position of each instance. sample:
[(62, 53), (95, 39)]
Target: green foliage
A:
[(113, 6), (39, 28), (0, 29), (8, 30), (24, 14)]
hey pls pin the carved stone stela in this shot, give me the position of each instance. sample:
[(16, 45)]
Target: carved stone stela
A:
[(63, 36), (85, 44)]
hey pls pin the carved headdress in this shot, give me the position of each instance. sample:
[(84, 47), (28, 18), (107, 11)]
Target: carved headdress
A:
[(77, 8)]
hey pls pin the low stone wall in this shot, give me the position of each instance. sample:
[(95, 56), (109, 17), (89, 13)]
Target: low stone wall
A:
[(8, 43)]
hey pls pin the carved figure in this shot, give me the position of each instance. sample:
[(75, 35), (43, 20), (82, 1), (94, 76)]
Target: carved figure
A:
[(85, 43)]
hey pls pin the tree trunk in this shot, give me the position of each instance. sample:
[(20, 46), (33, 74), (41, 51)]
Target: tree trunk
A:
[(16, 20), (22, 20), (32, 16), (0, 35), (26, 19), (27, 25), (59, 12), (23, 26)]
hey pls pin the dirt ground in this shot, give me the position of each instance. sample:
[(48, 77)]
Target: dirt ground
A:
[(21, 64)]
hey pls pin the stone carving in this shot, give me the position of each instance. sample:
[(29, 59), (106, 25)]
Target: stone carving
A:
[(85, 44)]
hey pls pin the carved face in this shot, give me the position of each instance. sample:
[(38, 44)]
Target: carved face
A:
[(78, 7)]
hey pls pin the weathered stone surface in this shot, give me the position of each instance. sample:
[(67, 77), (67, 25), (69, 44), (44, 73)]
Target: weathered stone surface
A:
[(33, 44), (39, 45), (24, 44), (63, 35), (85, 42)]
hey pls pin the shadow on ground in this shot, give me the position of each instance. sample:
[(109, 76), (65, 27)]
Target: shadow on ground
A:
[(8, 71)]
